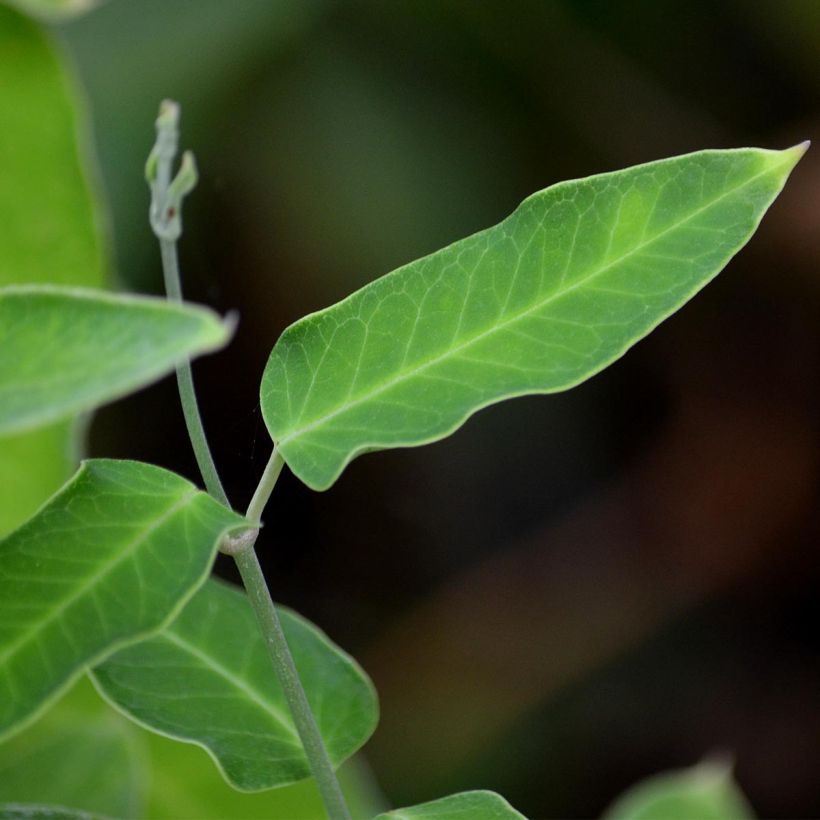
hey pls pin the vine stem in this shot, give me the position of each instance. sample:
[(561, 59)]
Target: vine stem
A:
[(185, 382), (167, 195), (268, 619)]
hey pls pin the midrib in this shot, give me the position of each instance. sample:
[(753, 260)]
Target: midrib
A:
[(94, 579), (252, 694), (453, 351)]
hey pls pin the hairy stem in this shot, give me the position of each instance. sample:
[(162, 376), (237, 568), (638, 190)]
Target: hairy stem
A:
[(305, 722), (185, 381)]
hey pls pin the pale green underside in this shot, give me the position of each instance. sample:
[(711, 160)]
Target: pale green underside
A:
[(207, 678), (65, 351), (50, 229), (539, 303), (107, 561), (477, 805), (706, 792)]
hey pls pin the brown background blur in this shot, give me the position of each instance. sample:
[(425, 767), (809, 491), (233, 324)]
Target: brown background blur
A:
[(573, 591)]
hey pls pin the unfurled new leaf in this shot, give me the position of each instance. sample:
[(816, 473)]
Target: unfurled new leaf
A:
[(207, 678), (477, 805), (64, 351), (537, 304), (110, 559)]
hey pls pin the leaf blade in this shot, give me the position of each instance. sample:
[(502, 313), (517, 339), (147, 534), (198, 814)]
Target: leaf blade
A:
[(223, 696), (58, 238), (66, 350), (537, 304), (706, 791), (477, 805), (110, 559)]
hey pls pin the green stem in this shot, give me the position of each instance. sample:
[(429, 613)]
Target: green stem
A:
[(185, 381), (326, 780), (166, 201), (254, 580)]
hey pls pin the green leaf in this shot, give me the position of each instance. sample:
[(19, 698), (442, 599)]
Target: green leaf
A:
[(539, 303), (110, 559), (207, 678), (64, 351), (19, 811), (51, 222), (51, 228), (185, 784), (477, 805), (52, 10), (706, 791), (99, 761), (33, 466), (94, 759)]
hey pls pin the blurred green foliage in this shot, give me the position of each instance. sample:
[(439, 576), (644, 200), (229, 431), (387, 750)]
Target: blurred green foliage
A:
[(646, 571)]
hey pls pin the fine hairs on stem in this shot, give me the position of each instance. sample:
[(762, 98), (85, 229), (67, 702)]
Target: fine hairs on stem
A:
[(167, 194)]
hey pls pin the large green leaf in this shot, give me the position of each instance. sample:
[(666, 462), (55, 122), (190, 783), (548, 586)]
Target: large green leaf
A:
[(50, 228), (63, 351), (207, 678), (706, 791), (477, 805), (110, 559), (550, 296)]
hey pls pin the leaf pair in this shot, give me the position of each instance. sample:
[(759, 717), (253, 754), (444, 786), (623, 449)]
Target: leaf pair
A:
[(114, 558)]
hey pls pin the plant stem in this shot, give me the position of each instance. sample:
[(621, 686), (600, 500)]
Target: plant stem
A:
[(166, 201), (185, 381), (265, 610), (265, 487), (303, 718)]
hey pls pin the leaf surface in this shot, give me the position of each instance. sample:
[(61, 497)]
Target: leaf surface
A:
[(537, 304), (94, 758), (64, 351), (110, 559), (99, 761), (52, 10), (706, 791), (52, 237), (207, 678), (475, 805)]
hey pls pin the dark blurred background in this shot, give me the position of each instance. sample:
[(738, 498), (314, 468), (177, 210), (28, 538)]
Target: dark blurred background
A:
[(573, 591)]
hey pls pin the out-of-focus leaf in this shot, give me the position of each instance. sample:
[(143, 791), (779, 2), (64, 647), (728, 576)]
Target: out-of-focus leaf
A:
[(110, 559), (477, 805), (101, 762), (65, 351), (207, 678), (80, 755), (537, 304), (54, 9), (705, 792), (19, 811), (51, 228)]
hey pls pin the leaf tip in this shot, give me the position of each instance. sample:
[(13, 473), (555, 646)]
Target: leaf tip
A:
[(801, 148)]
